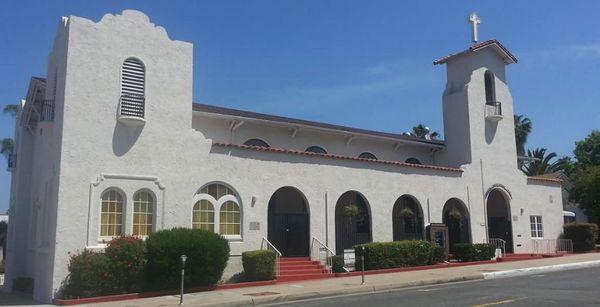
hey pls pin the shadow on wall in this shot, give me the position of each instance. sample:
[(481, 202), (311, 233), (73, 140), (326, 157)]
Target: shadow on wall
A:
[(291, 158), (490, 131), (124, 137)]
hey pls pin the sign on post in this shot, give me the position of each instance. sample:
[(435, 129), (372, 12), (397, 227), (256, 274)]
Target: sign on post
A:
[(349, 259)]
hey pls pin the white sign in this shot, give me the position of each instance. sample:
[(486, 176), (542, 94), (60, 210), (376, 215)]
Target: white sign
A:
[(349, 259)]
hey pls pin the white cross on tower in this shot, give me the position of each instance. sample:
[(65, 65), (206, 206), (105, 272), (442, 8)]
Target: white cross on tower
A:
[(474, 20)]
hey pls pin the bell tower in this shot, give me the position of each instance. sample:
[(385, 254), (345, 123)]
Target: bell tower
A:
[(477, 104)]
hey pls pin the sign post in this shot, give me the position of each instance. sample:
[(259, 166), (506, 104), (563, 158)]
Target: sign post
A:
[(362, 263), (183, 259)]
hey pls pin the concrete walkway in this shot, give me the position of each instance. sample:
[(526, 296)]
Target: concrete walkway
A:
[(348, 285)]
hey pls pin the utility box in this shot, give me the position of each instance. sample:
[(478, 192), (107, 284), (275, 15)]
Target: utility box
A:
[(437, 235)]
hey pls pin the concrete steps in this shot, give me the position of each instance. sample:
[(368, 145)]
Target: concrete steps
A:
[(301, 268)]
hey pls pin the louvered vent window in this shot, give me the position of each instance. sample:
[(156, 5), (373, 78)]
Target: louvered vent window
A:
[(132, 88)]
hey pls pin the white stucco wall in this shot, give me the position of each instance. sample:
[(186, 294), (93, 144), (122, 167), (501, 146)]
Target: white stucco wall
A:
[(173, 157)]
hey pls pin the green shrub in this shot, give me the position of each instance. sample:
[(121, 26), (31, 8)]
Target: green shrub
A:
[(126, 260), (207, 254), (337, 263), (438, 254), (259, 265), (397, 254), (583, 235), (88, 275), (2, 266), (466, 252)]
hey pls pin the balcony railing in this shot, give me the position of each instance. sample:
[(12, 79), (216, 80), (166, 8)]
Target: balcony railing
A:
[(131, 109), (47, 111), (12, 162), (493, 111)]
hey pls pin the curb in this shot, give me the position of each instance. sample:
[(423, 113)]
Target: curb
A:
[(541, 269), (258, 301)]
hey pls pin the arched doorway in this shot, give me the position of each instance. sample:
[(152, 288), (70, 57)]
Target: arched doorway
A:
[(352, 221), (288, 222), (456, 217), (498, 218), (407, 219)]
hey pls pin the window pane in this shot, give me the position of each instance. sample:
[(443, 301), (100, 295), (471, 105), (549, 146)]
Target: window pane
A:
[(142, 215)]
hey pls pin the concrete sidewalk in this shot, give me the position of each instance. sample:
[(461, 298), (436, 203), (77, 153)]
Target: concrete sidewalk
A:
[(352, 285)]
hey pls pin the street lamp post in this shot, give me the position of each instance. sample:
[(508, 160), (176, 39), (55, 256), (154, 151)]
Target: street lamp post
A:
[(183, 259)]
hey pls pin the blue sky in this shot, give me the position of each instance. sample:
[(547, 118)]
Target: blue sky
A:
[(359, 63)]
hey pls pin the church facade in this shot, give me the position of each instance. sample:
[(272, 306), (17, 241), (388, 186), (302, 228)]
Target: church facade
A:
[(111, 143)]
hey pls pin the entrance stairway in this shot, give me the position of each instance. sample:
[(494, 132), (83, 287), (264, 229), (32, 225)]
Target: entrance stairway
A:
[(301, 268)]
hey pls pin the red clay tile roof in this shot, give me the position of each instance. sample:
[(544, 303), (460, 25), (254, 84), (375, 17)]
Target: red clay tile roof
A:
[(332, 156), (547, 178), (508, 57)]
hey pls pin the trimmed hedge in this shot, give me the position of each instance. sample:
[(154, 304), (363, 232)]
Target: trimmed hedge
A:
[(397, 254), (466, 252), (207, 255), (88, 275), (583, 235), (259, 265), (337, 263), (126, 260)]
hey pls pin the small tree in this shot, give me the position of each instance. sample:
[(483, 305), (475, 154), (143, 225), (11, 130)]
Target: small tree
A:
[(11, 109)]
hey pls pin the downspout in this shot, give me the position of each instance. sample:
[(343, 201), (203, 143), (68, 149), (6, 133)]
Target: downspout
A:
[(487, 235)]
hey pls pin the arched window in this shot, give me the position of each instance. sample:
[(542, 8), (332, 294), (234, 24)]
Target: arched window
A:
[(228, 221), (257, 143), (133, 82), (490, 89), (143, 209), (413, 161), (316, 149), (367, 155), (203, 216), (111, 215)]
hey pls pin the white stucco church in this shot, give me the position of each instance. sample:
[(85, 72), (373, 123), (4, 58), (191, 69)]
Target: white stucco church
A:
[(110, 142)]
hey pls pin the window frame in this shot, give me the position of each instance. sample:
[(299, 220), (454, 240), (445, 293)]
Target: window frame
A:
[(153, 213), (217, 204), (536, 225), (367, 153), (264, 143), (316, 149), (489, 83), (124, 211)]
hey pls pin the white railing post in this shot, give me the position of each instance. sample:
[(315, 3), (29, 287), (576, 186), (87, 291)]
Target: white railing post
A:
[(499, 243), (266, 245), (317, 249)]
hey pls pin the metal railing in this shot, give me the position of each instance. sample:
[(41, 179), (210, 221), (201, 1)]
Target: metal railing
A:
[(266, 245), (47, 111), (132, 105), (320, 252), (499, 243), (493, 109), (551, 246)]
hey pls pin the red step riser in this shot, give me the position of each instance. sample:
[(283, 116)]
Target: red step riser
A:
[(283, 273), (301, 267), (313, 263), (284, 259), (303, 277)]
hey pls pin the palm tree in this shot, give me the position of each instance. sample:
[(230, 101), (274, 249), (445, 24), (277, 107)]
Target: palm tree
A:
[(8, 147), (423, 132), (543, 163), (523, 127), (11, 109)]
